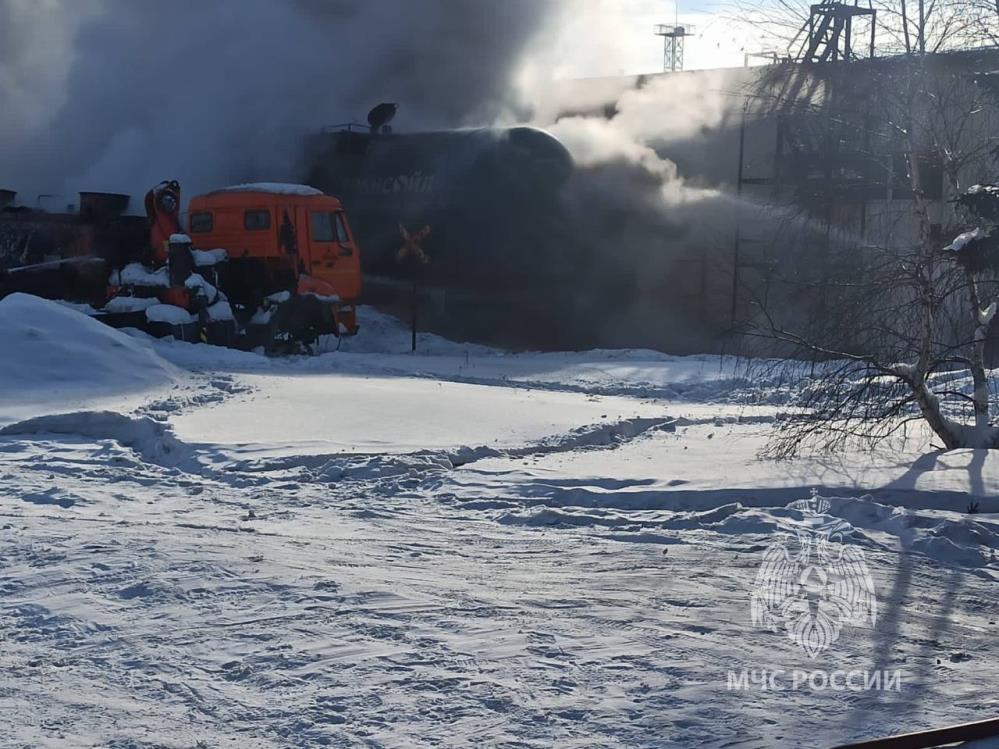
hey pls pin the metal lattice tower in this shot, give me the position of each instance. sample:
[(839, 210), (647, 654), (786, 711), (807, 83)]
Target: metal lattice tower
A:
[(673, 36), (830, 28)]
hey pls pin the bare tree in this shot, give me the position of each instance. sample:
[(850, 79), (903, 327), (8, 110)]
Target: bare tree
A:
[(892, 327), (903, 26), (902, 336)]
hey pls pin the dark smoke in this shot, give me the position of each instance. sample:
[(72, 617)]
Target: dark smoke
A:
[(117, 95), (652, 247), (647, 253), (218, 92)]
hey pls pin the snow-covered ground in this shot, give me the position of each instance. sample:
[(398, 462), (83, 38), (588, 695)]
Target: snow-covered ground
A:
[(209, 548)]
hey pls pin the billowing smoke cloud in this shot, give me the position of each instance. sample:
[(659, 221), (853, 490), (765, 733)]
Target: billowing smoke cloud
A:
[(659, 240), (118, 94), (36, 37)]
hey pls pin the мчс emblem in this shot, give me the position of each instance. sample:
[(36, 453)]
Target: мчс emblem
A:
[(811, 584)]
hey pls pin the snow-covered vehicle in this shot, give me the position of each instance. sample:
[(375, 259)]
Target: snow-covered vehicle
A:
[(264, 264)]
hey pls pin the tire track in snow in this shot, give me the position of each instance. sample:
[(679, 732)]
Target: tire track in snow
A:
[(330, 631)]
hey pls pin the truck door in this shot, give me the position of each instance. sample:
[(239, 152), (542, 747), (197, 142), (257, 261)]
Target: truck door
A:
[(323, 240), (305, 246)]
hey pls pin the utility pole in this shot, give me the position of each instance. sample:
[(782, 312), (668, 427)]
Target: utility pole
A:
[(413, 255), (737, 241)]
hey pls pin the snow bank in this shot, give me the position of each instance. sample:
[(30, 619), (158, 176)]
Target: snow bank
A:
[(948, 538), (951, 538), (153, 440), (276, 188), (53, 355), (631, 372), (381, 333)]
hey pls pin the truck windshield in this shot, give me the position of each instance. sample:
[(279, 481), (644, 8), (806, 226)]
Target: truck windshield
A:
[(328, 227)]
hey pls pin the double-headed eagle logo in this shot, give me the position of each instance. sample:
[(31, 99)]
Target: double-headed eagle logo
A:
[(811, 583)]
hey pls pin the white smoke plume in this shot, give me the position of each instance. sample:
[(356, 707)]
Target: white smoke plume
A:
[(659, 242), (632, 119)]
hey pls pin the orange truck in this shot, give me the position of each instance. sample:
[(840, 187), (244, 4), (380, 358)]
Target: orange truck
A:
[(265, 264), (283, 238)]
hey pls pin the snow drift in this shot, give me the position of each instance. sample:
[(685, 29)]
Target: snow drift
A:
[(53, 354), (154, 441)]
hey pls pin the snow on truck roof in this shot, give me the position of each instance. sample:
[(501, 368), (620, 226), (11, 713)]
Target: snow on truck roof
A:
[(276, 188)]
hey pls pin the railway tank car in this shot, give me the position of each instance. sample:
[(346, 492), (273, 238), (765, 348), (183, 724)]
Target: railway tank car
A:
[(485, 206)]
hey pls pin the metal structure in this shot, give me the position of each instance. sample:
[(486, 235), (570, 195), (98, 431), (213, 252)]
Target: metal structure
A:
[(829, 31), (827, 160), (673, 38), (766, 54)]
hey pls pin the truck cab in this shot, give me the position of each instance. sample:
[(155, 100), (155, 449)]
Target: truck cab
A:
[(281, 237)]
